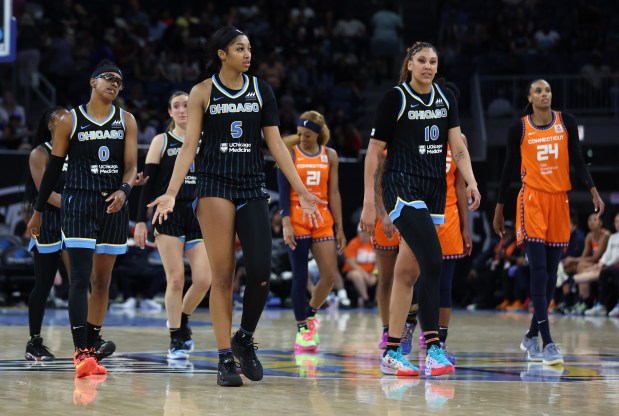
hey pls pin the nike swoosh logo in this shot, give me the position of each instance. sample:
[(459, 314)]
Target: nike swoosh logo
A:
[(414, 105), (173, 144), (217, 98), (531, 133), (300, 159), (76, 327), (83, 127)]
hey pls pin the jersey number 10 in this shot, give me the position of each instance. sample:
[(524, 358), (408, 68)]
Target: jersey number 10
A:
[(431, 133), (544, 150)]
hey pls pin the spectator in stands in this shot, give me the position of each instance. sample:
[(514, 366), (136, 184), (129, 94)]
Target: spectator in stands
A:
[(360, 266), (386, 42)]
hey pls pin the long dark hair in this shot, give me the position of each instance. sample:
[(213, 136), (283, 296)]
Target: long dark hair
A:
[(41, 135), (221, 39), (405, 74)]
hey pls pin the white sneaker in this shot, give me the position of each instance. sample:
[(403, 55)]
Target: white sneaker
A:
[(130, 303), (149, 305), (614, 313), (342, 297), (597, 310)]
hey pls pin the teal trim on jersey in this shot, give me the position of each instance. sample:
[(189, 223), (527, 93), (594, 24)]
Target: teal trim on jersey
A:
[(44, 248), (109, 117), (165, 144), (226, 93), (442, 95), (416, 97), (74, 123), (192, 243), (400, 204), (258, 95), (48, 145), (90, 243), (403, 103), (438, 219), (111, 249)]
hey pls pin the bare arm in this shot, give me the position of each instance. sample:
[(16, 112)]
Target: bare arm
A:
[(118, 198), (462, 158), (38, 161), (368, 214)]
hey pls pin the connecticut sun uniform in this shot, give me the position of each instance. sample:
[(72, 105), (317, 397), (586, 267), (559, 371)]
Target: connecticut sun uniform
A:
[(449, 233), (542, 201), (181, 222), (314, 172), (230, 161), (96, 152), (49, 239), (414, 173)]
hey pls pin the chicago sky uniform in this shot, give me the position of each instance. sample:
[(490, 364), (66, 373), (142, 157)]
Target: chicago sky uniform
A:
[(231, 164), (415, 127), (181, 222), (49, 239), (96, 151)]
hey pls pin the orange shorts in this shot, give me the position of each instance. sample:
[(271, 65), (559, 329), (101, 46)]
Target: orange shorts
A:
[(380, 240), (302, 229), (450, 235), (542, 217)]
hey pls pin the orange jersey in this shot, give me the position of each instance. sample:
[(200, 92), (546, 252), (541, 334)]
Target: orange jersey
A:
[(314, 172), (545, 156), (452, 199), (363, 253)]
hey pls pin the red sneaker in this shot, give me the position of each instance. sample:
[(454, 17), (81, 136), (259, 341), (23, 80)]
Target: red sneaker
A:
[(84, 361)]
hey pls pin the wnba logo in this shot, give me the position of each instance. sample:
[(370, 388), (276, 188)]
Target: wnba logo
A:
[(223, 148), (422, 149)]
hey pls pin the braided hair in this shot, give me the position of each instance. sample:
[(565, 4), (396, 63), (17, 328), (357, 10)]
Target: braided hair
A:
[(405, 74)]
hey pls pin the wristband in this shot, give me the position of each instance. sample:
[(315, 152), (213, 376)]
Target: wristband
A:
[(126, 188)]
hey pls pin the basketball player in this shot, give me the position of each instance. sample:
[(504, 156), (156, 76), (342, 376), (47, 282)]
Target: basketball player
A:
[(416, 119), (101, 141), (179, 234), (233, 111), (543, 143), (317, 166), (47, 246)]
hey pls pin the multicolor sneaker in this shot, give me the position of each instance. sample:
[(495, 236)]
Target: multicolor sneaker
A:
[(312, 325), (436, 362), (103, 348), (422, 341), (395, 364), (185, 336), (406, 343), (438, 394), (531, 347), (84, 361), (177, 350), (383, 341), (307, 364), (305, 341), (552, 355), (245, 351), (36, 351), (449, 357)]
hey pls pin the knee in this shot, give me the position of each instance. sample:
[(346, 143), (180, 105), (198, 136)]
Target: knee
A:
[(407, 274), (202, 283), (100, 284), (176, 282)]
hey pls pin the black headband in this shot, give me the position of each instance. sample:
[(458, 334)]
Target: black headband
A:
[(106, 68)]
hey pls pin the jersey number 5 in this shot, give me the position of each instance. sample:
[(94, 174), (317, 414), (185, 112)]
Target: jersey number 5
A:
[(313, 178), (236, 130), (544, 150)]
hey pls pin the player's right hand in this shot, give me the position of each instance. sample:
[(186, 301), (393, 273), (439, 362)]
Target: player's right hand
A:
[(165, 205), (140, 234)]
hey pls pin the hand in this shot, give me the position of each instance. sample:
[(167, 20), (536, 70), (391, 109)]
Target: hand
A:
[(34, 225), (308, 203), (368, 219), (468, 242), (340, 240), (473, 197), (165, 205), (498, 223), (598, 205), (140, 234), (117, 200), (388, 228), (288, 233), (140, 180)]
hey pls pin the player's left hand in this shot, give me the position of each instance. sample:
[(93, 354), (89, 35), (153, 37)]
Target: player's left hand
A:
[(140, 179), (309, 205), (467, 242), (473, 197)]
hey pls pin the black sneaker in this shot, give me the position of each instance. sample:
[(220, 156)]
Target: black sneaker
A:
[(245, 351), (103, 348), (185, 336), (226, 374), (36, 351)]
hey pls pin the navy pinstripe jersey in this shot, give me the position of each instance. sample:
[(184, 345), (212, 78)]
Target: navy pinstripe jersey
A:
[(47, 146), (170, 149), (96, 151), (230, 161)]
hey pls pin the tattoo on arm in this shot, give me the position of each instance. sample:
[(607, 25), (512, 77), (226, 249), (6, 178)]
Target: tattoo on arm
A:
[(459, 156)]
